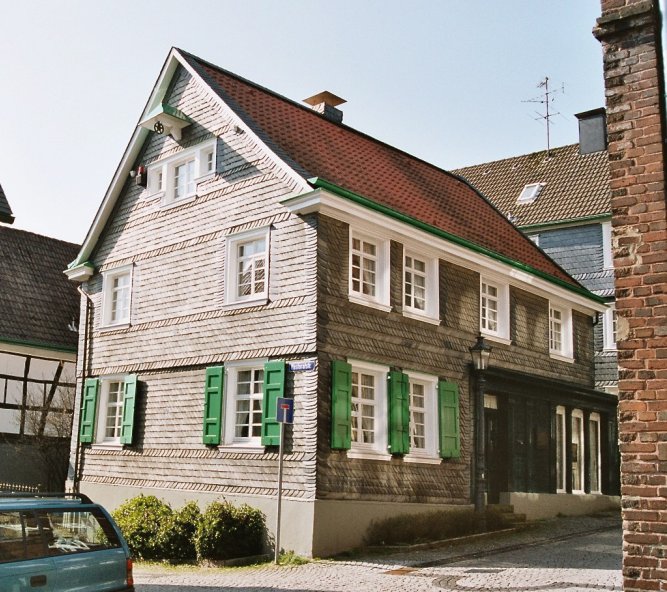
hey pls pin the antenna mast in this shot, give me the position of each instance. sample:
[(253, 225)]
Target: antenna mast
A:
[(545, 99)]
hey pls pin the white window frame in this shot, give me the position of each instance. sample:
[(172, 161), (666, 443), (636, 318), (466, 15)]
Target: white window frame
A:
[(530, 193), (382, 272), (232, 243), (594, 418), (161, 173), (103, 410), (430, 453), (578, 414), (561, 442), (108, 278), (431, 310), (607, 251), (502, 331), (232, 370), (377, 449), (610, 328), (565, 352)]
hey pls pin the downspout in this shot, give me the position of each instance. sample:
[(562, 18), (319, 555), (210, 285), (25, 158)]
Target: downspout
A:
[(84, 363)]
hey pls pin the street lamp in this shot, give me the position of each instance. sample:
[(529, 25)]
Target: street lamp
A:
[(480, 354)]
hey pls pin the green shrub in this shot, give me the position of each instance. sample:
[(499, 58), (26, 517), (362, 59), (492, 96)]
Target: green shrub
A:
[(226, 532), (179, 534), (429, 526), (142, 521)]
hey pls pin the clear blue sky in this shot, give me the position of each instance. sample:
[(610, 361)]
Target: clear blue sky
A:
[(445, 80)]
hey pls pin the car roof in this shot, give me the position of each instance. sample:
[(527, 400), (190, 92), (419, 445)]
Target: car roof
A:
[(15, 501)]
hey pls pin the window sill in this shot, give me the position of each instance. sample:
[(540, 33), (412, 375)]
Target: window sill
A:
[(370, 303), (368, 455), (246, 303), (241, 448), (415, 458), (154, 195), (173, 203), (561, 357), (496, 338), (421, 317), (205, 177), (108, 328), (107, 446)]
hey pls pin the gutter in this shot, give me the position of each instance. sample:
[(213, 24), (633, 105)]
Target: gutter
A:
[(387, 211), (84, 361)]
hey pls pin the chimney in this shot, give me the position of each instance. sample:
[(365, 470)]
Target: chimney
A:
[(592, 131), (326, 103)]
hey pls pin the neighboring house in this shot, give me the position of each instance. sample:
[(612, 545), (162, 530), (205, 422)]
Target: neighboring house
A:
[(562, 201), (250, 248), (38, 339)]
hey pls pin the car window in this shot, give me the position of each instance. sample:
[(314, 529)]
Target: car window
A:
[(20, 536), (78, 531)]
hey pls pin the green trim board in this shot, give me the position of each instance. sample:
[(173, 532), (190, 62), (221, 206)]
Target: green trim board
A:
[(38, 344), (320, 183)]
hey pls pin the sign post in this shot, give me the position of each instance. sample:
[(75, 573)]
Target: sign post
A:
[(284, 414)]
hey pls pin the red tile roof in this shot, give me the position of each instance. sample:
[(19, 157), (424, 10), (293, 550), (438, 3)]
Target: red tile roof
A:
[(576, 185), (317, 147)]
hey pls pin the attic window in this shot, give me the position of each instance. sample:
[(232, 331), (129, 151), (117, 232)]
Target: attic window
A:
[(530, 193)]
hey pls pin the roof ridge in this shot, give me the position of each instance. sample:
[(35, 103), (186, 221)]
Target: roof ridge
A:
[(4, 228), (314, 113), (518, 156)]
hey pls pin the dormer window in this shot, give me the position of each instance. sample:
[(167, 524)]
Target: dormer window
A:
[(530, 193)]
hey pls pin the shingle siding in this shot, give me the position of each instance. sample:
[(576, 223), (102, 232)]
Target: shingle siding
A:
[(180, 323)]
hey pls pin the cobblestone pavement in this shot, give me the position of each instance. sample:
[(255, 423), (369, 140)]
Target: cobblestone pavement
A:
[(561, 555)]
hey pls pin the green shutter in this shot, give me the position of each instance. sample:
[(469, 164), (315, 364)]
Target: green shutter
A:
[(129, 398), (274, 387), (448, 411), (399, 413), (88, 410), (215, 376), (341, 405)]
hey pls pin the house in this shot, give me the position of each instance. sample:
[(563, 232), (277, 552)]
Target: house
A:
[(633, 47), (562, 201), (39, 311), (250, 248)]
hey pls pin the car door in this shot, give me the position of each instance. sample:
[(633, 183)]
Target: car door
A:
[(86, 551), (25, 564)]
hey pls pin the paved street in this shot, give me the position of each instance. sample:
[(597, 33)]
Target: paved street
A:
[(566, 554)]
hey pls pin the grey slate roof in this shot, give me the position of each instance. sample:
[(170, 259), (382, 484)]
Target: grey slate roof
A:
[(37, 301), (5, 211), (577, 186)]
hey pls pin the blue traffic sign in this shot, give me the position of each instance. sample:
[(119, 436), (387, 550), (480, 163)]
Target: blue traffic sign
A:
[(285, 410)]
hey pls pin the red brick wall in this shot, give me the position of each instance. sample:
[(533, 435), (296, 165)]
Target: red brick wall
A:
[(629, 31)]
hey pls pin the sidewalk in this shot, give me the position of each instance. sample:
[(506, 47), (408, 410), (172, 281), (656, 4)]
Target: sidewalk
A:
[(582, 553)]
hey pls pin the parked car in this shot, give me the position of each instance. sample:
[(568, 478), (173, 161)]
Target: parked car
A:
[(61, 543)]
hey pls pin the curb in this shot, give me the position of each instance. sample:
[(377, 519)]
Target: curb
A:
[(471, 538)]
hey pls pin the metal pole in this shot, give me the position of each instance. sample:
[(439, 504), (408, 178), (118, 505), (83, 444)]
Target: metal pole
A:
[(280, 492), (480, 468)]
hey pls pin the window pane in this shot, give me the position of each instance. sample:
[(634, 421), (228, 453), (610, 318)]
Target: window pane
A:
[(12, 547), (251, 268), (363, 408), (78, 532), (248, 412), (114, 410)]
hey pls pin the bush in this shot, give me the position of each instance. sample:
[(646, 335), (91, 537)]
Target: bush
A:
[(227, 532), (429, 526), (142, 521), (179, 534)]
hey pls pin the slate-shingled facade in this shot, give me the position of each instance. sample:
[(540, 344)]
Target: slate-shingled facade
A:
[(570, 219), (250, 248)]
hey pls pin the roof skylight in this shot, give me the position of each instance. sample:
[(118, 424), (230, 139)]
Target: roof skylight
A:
[(530, 193)]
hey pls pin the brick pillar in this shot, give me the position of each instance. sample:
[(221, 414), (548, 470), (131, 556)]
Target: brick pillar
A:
[(629, 31)]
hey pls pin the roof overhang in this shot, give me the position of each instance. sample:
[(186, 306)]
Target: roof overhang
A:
[(346, 206)]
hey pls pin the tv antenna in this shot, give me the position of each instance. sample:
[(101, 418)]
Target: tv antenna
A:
[(546, 99)]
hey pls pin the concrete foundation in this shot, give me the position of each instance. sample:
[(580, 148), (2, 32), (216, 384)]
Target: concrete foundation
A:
[(537, 506)]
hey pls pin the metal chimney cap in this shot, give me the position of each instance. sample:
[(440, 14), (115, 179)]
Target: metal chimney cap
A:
[(324, 97)]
